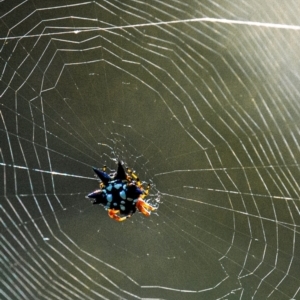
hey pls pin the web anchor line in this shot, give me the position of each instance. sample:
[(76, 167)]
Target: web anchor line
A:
[(199, 20)]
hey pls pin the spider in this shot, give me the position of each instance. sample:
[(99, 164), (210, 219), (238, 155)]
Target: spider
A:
[(121, 193)]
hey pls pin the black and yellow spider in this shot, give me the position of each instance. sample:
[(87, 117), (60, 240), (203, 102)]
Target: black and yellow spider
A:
[(121, 193)]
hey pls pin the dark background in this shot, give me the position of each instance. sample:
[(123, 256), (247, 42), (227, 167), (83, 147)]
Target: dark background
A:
[(208, 112)]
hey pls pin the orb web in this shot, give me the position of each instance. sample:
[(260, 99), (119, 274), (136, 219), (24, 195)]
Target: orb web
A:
[(200, 99)]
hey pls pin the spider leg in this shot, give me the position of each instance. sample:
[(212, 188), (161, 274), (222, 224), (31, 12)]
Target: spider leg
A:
[(112, 213), (146, 191), (144, 207), (132, 176)]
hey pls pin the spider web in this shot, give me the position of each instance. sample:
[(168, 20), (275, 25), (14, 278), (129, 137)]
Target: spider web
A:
[(200, 98)]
